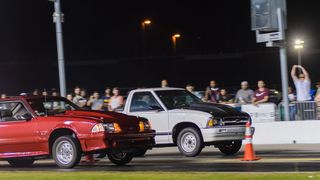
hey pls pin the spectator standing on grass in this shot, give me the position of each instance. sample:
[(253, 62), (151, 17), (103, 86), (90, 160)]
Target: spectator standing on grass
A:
[(317, 91), (116, 101), (35, 92), (83, 93), (244, 95), (317, 100), (95, 102), (212, 93), (3, 96), (314, 92), (225, 98), (69, 97), (190, 88), (291, 95), (106, 97), (302, 83), (78, 99), (261, 95), (54, 92), (164, 83), (44, 93), (292, 107)]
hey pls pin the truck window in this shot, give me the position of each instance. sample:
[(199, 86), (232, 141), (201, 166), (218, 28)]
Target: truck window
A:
[(144, 101)]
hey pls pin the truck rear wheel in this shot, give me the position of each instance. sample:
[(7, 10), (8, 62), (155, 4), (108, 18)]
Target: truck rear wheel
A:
[(190, 142), (140, 153), (230, 147), (20, 162), (120, 158), (66, 151)]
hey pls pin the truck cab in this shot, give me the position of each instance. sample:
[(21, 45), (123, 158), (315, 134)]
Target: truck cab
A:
[(182, 119)]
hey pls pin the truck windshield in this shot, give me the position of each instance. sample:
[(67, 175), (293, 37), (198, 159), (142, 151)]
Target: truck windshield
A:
[(177, 99)]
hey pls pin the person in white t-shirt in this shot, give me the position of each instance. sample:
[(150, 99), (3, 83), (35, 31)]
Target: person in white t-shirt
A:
[(302, 83), (116, 101)]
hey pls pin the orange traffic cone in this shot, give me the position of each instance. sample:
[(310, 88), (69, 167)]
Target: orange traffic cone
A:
[(249, 154)]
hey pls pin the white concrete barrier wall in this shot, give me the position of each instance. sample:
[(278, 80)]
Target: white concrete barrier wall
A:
[(287, 132), (265, 112)]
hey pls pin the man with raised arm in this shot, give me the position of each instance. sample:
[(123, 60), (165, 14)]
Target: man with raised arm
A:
[(302, 83)]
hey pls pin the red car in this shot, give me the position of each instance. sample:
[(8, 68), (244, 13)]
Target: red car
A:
[(38, 127)]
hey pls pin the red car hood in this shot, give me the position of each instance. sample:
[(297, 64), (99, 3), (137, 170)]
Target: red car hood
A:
[(127, 123)]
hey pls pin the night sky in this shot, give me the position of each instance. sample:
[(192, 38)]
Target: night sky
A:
[(103, 44)]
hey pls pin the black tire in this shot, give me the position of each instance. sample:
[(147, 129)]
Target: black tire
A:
[(230, 147), (190, 142), (21, 162), (120, 159), (74, 147), (140, 153)]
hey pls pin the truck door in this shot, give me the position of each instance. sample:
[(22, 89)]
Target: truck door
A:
[(144, 104)]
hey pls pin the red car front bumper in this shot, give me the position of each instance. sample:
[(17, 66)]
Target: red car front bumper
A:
[(124, 142)]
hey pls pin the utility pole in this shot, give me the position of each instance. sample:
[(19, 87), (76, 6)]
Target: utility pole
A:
[(58, 18), (283, 64)]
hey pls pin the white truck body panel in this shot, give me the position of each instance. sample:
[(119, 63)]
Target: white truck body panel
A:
[(165, 120)]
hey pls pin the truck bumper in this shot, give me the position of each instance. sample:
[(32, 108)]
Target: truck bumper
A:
[(224, 133)]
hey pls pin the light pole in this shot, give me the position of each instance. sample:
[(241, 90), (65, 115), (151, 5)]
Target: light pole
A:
[(144, 24), (174, 42), (58, 18), (298, 45)]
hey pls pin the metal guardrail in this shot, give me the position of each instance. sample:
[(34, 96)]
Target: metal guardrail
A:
[(307, 110)]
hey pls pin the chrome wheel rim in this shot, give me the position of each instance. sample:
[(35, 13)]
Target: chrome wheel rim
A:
[(64, 152), (188, 142)]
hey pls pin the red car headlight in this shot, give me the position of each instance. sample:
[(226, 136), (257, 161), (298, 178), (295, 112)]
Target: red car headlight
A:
[(97, 128)]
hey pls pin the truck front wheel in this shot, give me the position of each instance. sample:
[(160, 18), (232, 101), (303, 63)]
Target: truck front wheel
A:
[(230, 147), (190, 142), (120, 158)]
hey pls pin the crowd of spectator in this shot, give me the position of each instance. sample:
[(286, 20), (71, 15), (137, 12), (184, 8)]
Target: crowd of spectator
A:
[(111, 99), (245, 95)]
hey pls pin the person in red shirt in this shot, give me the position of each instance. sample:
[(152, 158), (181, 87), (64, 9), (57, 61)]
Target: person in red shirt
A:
[(261, 95)]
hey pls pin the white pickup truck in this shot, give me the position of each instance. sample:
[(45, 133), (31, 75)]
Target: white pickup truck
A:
[(182, 119)]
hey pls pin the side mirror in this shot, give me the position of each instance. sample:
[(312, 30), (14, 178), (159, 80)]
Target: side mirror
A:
[(156, 108), (26, 117), (119, 110)]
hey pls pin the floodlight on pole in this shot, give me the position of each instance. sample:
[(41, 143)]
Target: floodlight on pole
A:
[(174, 42), (144, 24), (298, 45)]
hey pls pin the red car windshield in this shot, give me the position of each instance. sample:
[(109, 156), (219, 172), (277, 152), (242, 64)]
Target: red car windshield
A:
[(51, 106)]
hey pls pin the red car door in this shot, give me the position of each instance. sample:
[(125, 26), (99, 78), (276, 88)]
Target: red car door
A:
[(18, 131)]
